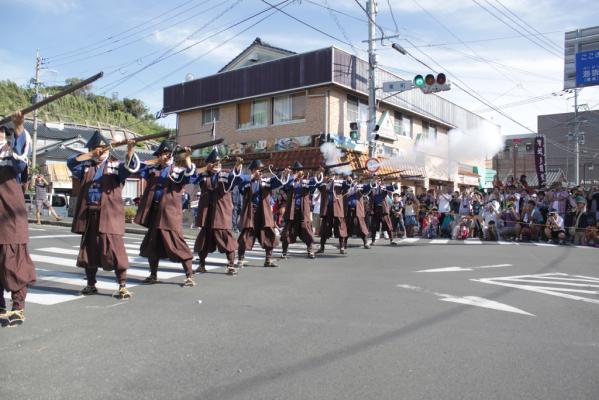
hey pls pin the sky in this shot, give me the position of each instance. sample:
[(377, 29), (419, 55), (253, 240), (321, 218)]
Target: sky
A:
[(507, 53)]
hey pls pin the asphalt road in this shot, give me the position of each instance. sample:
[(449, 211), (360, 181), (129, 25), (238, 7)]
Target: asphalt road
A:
[(366, 325)]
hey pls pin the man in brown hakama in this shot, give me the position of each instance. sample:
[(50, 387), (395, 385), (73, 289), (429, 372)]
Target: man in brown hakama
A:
[(256, 218), (160, 210), (355, 214), (17, 272), (332, 213), (215, 211), (100, 214), (298, 212)]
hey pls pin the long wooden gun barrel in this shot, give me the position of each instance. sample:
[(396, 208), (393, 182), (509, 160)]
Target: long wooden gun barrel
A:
[(89, 155), (56, 96), (181, 149), (316, 167), (138, 139)]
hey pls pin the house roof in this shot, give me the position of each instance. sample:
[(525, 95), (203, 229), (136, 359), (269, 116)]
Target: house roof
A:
[(256, 43), (64, 152)]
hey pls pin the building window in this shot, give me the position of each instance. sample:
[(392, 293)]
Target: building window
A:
[(357, 110), (402, 125), (406, 123), (289, 108), (429, 130), (209, 115), (252, 114), (352, 109)]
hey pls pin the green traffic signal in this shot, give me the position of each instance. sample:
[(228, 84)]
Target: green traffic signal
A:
[(419, 80)]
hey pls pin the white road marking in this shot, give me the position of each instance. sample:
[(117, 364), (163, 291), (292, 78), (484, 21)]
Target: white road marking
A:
[(549, 281), (409, 240), (481, 302), (53, 236), (473, 241), (36, 229), (45, 298), (469, 300), (460, 269), (71, 263), (439, 241)]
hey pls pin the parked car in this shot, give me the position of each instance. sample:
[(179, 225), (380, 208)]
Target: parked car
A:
[(59, 201)]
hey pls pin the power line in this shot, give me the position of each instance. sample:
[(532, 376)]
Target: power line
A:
[(341, 28), (543, 37), (481, 40), (368, 15), (515, 29), (307, 24), (393, 16), (168, 53), (113, 49), (209, 51), (113, 36)]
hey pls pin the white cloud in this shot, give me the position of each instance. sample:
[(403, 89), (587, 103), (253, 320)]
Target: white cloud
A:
[(50, 6)]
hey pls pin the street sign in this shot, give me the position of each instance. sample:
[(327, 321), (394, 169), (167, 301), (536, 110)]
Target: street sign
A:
[(397, 86), (587, 68), (578, 41), (373, 165)]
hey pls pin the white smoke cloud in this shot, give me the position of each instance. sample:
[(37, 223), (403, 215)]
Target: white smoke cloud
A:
[(332, 155), (469, 146)]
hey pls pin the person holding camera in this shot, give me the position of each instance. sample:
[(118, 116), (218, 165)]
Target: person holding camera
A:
[(554, 229), (510, 218), (41, 199)]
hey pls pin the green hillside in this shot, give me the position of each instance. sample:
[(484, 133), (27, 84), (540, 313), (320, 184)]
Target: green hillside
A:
[(81, 107)]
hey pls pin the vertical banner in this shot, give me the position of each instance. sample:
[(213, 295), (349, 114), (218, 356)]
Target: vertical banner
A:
[(540, 160)]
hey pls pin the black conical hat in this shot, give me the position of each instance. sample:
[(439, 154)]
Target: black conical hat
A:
[(213, 157), (165, 146), (256, 164), (97, 140), (297, 166)]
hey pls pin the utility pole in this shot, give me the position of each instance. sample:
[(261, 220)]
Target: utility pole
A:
[(38, 66), (371, 8), (576, 138)]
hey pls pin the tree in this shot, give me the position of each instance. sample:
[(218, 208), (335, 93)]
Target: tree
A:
[(135, 107)]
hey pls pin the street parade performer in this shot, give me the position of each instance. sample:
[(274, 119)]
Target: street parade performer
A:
[(355, 213), (99, 213), (379, 209), (332, 212), (298, 212), (256, 219), (215, 210), (17, 272), (160, 210)]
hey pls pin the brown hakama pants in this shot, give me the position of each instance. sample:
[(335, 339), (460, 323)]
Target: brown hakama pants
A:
[(210, 239), (161, 243), (17, 273), (331, 225), (356, 225), (297, 227), (101, 250)]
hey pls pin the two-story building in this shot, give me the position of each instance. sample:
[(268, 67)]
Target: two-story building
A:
[(273, 101)]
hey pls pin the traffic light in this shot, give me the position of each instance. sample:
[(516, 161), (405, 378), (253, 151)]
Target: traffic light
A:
[(354, 131), (383, 138), (419, 81), (430, 84)]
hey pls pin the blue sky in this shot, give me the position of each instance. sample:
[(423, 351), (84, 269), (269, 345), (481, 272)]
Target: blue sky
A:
[(143, 46)]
